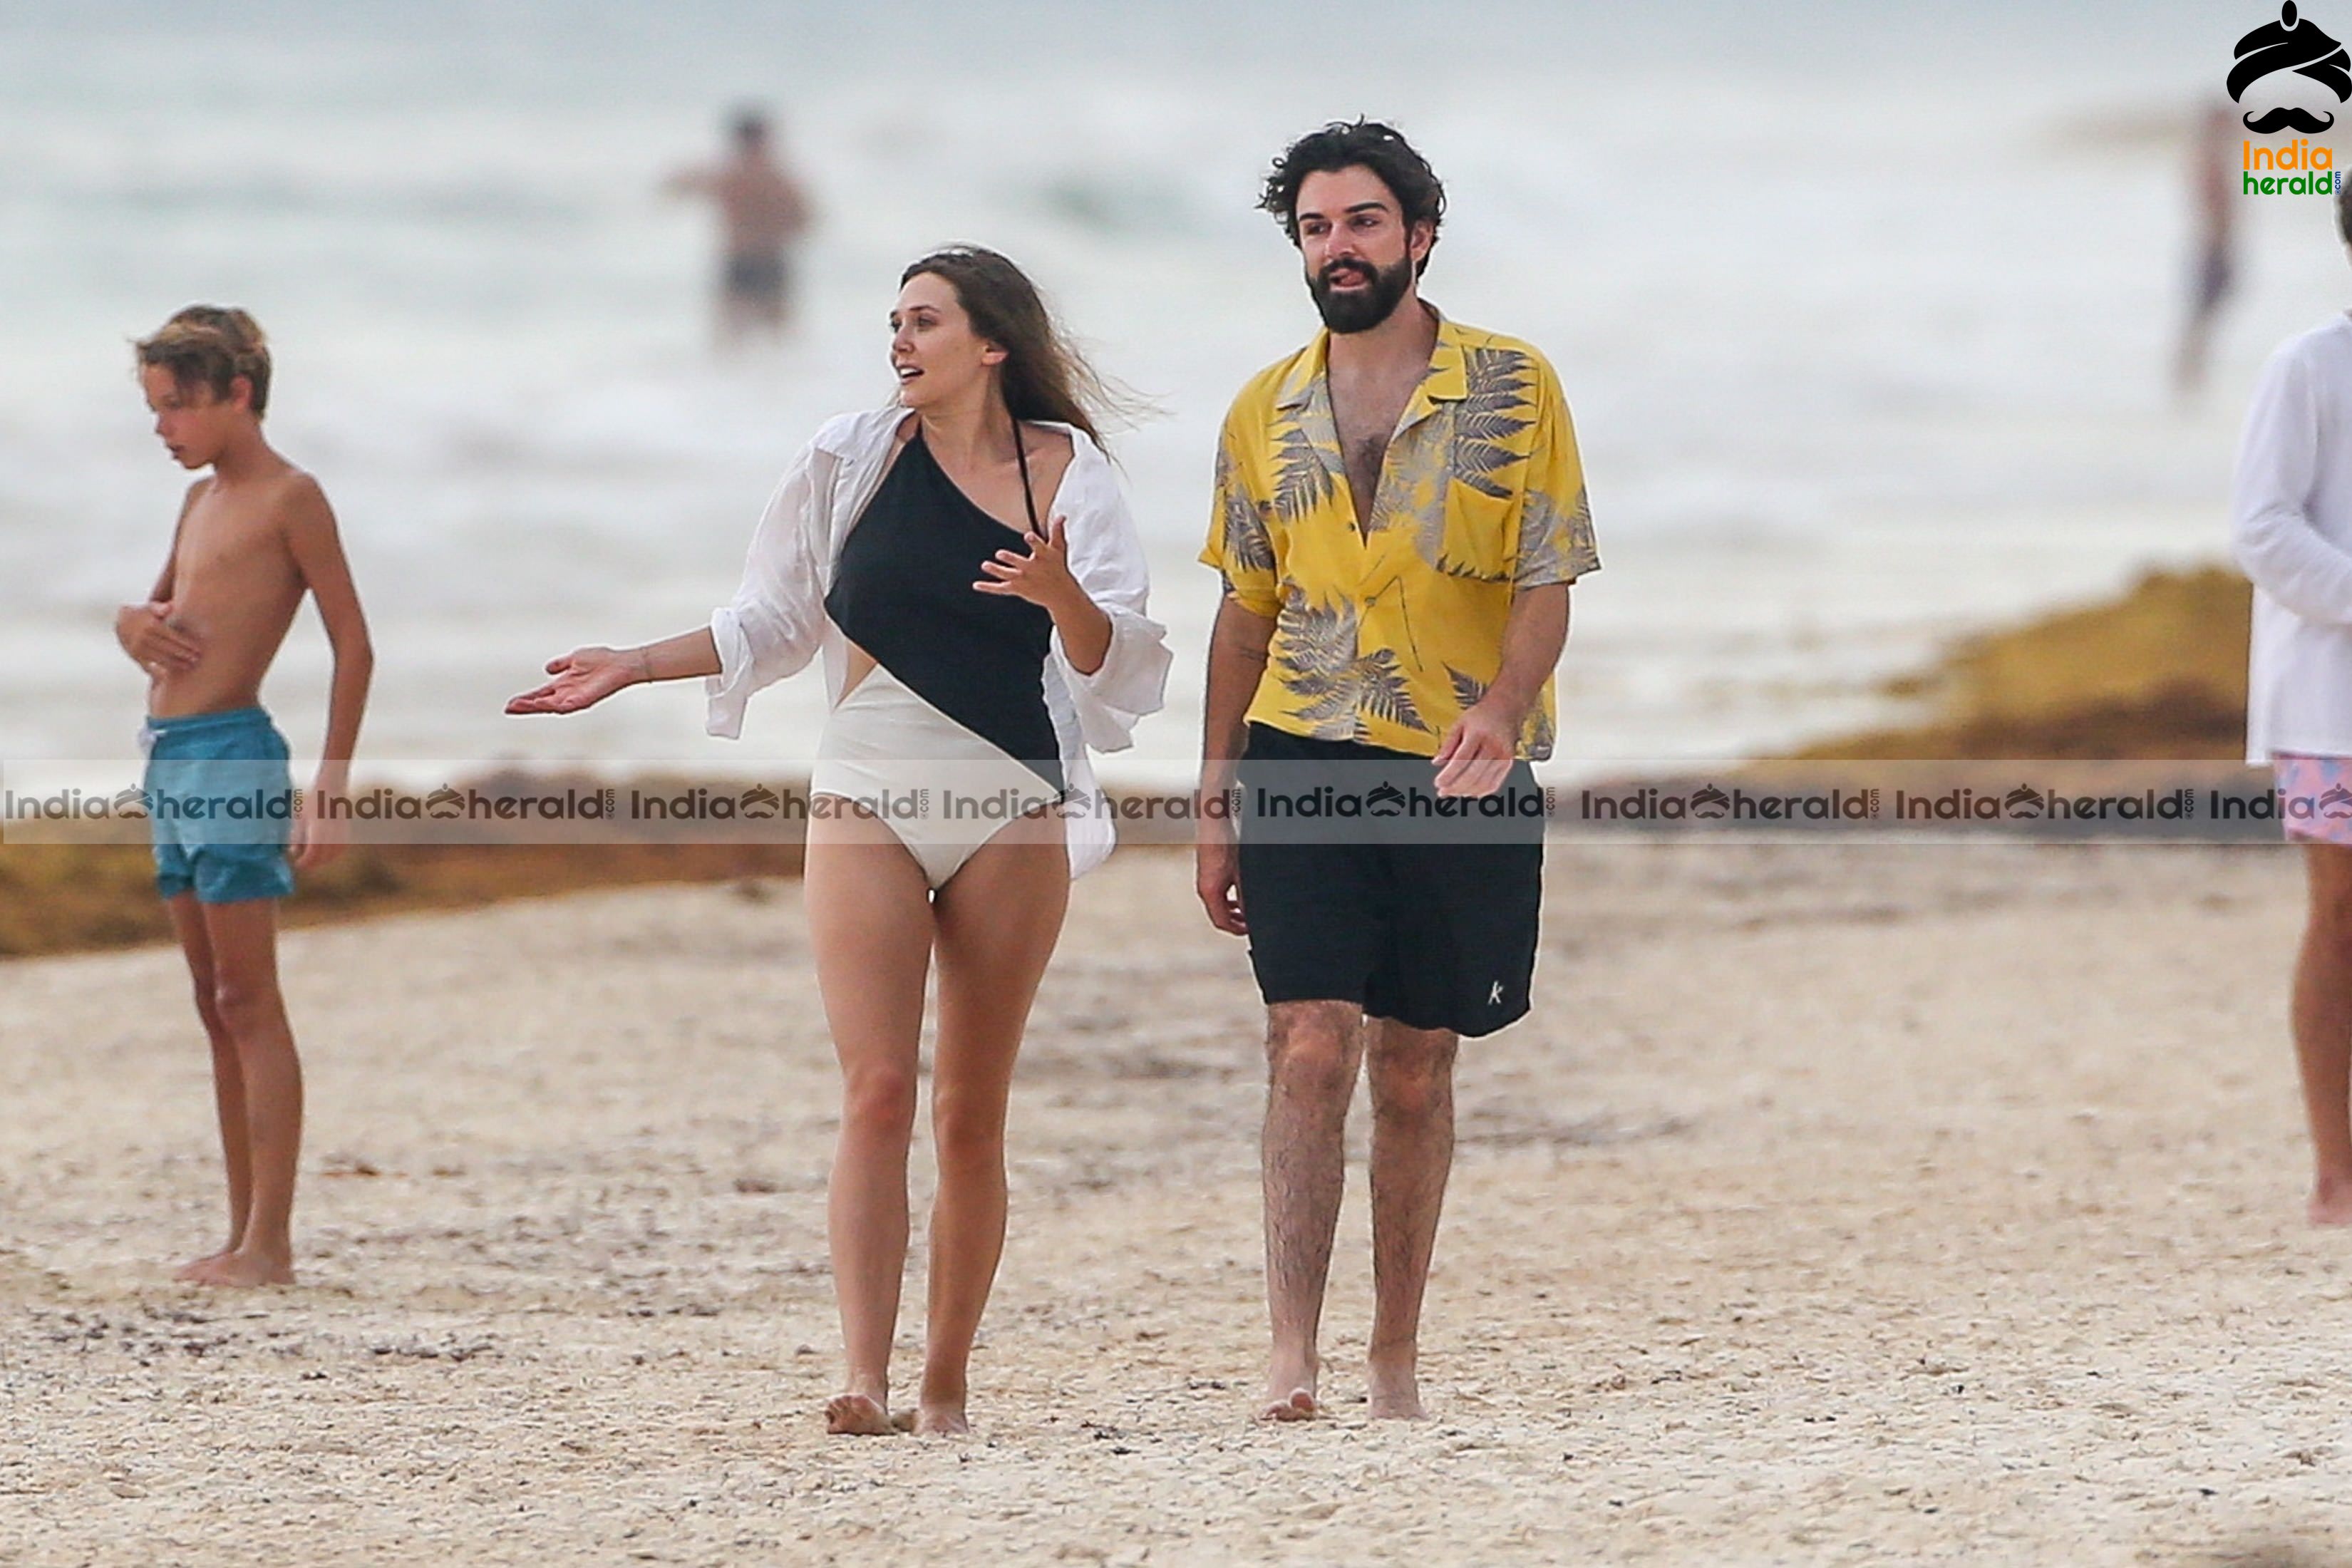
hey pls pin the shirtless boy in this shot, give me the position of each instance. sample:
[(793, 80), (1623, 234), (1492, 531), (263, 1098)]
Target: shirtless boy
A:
[(254, 536)]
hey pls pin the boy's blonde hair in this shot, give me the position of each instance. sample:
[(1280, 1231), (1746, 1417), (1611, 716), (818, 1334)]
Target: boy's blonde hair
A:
[(212, 345)]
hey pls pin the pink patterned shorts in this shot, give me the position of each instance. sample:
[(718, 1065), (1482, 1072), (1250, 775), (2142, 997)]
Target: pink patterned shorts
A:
[(2315, 797)]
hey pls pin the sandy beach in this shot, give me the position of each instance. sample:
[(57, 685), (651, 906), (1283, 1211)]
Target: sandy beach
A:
[(1840, 1204)]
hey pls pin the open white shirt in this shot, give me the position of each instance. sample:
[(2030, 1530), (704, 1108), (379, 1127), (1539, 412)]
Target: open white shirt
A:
[(776, 622), (2290, 530)]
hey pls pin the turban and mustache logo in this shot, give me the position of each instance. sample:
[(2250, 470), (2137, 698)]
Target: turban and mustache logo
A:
[(2290, 44)]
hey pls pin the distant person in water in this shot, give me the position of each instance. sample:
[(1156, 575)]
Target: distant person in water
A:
[(762, 215), (2291, 521), (2213, 256)]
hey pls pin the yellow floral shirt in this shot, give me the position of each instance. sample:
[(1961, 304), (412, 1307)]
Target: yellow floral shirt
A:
[(1385, 635)]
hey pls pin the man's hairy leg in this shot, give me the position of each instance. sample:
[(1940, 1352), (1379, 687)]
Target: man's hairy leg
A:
[(1313, 1052), (1411, 1073)]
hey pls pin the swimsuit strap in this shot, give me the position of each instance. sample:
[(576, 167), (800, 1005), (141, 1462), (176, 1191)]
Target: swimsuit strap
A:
[(1020, 453)]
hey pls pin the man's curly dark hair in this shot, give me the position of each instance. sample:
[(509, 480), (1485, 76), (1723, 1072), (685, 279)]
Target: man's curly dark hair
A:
[(1357, 144)]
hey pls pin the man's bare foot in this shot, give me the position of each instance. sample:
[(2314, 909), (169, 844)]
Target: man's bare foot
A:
[(1299, 1404), (941, 1421), (857, 1416), (239, 1271), (1394, 1395), (2331, 1201), (1290, 1386)]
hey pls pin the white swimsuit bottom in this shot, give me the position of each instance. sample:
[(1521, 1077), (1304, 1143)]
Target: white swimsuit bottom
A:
[(941, 789)]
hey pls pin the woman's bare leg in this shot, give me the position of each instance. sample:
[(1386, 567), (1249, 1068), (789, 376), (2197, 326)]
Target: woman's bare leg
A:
[(869, 918), (999, 918)]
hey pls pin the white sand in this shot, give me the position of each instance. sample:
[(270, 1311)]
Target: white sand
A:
[(1839, 1204)]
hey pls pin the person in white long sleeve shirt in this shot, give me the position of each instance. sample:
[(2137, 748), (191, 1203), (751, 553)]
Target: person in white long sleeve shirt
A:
[(2291, 521), (965, 562)]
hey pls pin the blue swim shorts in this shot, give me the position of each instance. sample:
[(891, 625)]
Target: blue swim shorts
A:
[(220, 805)]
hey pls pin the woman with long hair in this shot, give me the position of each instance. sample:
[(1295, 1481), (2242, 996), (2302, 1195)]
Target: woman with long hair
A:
[(964, 560)]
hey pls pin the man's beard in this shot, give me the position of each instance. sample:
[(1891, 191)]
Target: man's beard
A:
[(1361, 309)]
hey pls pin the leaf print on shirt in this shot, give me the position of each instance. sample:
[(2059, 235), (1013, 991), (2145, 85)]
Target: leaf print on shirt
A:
[(1331, 687), (1499, 405), (1248, 548), (1313, 652), (1413, 487), (1383, 693), (1302, 467), (1554, 546), (1538, 735)]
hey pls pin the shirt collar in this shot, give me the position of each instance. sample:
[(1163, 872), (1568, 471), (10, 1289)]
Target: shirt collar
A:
[(1447, 379)]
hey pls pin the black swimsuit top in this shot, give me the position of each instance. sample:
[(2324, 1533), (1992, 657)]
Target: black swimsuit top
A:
[(903, 591)]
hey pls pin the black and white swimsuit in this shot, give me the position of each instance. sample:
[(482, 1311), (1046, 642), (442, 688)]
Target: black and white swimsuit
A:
[(778, 620), (948, 738)]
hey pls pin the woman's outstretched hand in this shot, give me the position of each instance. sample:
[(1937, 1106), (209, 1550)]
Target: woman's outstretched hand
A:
[(1042, 576), (584, 677)]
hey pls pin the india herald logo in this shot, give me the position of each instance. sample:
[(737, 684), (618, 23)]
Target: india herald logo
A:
[(2290, 44)]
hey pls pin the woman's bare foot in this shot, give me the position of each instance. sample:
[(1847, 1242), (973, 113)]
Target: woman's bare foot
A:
[(187, 1273), (2331, 1201), (857, 1416), (941, 1421), (240, 1270), (1394, 1394)]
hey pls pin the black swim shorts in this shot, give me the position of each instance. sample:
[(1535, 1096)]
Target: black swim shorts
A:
[(755, 277), (1361, 885)]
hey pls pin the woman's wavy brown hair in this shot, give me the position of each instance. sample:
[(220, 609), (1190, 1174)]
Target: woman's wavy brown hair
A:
[(1044, 375)]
